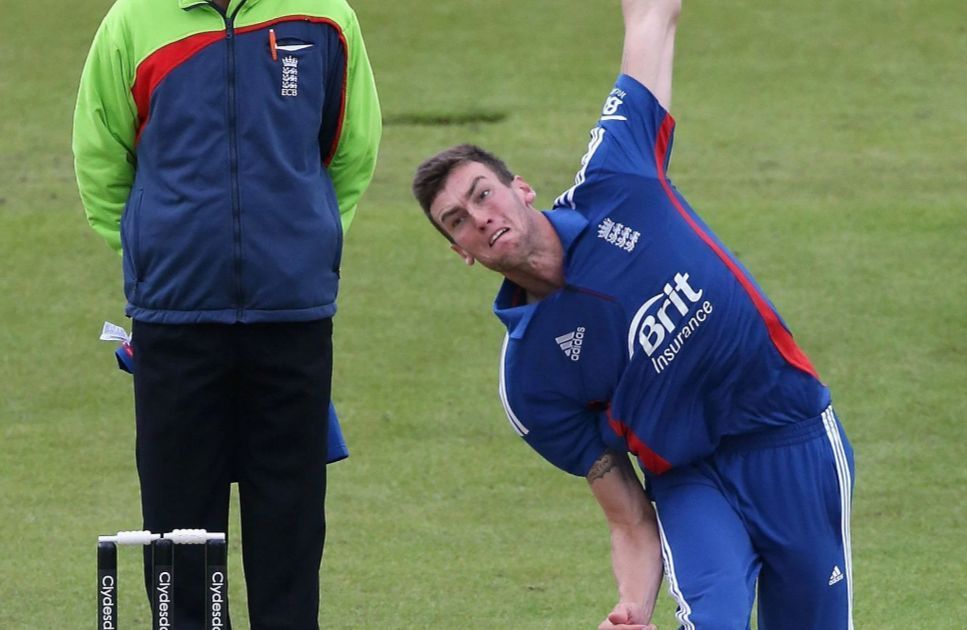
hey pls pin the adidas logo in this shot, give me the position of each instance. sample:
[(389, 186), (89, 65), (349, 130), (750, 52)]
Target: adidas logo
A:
[(836, 576), (571, 343)]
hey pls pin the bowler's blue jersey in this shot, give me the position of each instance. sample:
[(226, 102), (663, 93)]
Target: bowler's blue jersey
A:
[(660, 343)]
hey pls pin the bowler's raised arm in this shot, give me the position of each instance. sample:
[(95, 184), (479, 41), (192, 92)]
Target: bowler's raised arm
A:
[(649, 45)]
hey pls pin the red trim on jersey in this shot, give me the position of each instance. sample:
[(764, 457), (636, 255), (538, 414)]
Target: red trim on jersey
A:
[(649, 458), (780, 336), (158, 64)]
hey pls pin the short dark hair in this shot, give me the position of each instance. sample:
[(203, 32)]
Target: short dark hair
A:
[(432, 174)]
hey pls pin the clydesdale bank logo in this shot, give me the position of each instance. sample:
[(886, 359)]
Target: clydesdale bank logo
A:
[(664, 323)]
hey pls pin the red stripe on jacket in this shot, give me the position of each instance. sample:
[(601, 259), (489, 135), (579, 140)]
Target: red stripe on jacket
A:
[(160, 63)]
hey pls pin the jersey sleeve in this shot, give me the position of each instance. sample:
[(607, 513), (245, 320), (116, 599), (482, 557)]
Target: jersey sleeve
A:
[(353, 161), (105, 123), (551, 419), (633, 137)]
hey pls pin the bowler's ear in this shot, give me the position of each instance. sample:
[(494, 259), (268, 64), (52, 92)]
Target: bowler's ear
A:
[(462, 253), (528, 193)]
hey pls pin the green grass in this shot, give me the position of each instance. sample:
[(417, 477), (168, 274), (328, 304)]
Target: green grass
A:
[(824, 142)]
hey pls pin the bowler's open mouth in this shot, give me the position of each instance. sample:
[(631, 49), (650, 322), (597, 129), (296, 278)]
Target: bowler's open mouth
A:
[(498, 234)]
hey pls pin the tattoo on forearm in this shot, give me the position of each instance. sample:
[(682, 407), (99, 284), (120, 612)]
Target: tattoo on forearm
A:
[(605, 464)]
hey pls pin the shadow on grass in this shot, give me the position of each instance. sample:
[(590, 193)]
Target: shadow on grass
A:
[(444, 119)]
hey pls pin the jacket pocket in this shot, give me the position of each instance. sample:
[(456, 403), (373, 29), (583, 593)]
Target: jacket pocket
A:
[(131, 241), (337, 254)]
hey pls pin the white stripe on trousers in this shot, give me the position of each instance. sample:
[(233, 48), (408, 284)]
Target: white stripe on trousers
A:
[(845, 491), (684, 610)]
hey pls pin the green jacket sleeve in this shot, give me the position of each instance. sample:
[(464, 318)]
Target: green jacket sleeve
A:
[(354, 161), (105, 122)]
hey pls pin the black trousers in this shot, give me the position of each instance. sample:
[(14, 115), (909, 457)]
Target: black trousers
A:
[(247, 403)]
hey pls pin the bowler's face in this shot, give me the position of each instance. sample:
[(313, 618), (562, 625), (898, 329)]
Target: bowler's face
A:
[(487, 220)]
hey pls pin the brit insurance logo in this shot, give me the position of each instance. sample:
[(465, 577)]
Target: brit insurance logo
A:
[(664, 323), (290, 76)]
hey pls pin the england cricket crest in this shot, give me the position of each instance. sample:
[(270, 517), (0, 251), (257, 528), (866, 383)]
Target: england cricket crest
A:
[(290, 76)]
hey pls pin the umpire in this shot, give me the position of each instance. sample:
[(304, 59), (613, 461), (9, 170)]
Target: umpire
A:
[(221, 146)]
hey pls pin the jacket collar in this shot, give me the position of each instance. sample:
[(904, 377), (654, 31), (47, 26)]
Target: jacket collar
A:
[(232, 4)]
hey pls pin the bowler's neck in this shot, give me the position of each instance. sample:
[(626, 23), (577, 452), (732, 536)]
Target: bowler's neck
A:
[(543, 272)]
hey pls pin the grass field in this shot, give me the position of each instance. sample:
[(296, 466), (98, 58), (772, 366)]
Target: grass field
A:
[(825, 142)]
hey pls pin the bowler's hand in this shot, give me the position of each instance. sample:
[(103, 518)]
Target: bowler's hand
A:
[(626, 616)]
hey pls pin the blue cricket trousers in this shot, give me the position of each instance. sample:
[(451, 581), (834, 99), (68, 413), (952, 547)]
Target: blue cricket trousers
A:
[(768, 510)]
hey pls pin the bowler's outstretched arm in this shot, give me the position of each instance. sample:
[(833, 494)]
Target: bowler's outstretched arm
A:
[(649, 44), (635, 546)]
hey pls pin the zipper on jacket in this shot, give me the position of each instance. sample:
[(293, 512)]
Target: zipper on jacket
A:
[(233, 152)]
